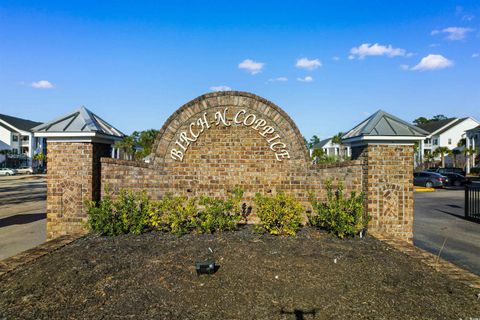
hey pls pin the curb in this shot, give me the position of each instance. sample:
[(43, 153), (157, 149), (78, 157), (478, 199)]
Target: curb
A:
[(9, 264), (423, 189), (439, 264)]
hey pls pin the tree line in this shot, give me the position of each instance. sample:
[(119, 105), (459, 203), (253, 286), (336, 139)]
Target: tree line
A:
[(138, 145)]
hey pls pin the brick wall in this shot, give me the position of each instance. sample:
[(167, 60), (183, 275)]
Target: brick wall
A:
[(223, 140), (73, 176), (118, 174), (229, 153), (388, 186)]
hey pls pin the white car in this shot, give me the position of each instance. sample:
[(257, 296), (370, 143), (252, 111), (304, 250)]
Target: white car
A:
[(7, 172), (27, 170)]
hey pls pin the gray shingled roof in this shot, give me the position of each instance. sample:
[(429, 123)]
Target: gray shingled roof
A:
[(81, 120), (19, 123), (433, 126), (321, 143), (382, 123)]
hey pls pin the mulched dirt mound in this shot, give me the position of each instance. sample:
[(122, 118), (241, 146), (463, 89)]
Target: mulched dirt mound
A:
[(311, 276)]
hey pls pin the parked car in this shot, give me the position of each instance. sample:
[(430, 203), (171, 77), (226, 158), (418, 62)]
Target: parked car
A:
[(25, 170), (7, 172), (455, 179), (442, 171), (429, 179)]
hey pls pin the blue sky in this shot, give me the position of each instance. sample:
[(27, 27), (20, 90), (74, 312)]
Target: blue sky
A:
[(329, 64)]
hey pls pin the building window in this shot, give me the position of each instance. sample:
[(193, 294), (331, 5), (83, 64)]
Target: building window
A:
[(24, 138), (435, 141), (449, 141), (15, 138)]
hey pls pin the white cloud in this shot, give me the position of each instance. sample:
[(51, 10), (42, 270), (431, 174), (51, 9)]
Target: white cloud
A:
[(465, 15), (376, 49), (336, 58), (404, 66), (453, 33), (475, 55), (433, 62), (220, 88), (305, 79), (42, 84), (305, 63), (281, 79), (251, 66)]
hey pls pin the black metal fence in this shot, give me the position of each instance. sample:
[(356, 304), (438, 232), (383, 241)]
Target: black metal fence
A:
[(472, 202)]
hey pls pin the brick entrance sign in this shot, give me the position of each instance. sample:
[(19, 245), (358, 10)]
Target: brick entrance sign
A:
[(222, 140)]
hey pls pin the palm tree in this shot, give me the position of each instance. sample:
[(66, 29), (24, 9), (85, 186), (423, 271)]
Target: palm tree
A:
[(127, 145), (442, 151), (455, 153), (429, 158), (337, 139), (144, 140)]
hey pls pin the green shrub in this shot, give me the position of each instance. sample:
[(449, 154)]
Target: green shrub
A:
[(128, 213), (278, 214), (340, 215), (220, 215), (475, 170), (175, 214), (180, 215)]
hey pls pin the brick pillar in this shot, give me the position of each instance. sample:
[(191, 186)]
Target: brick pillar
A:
[(73, 177), (388, 186)]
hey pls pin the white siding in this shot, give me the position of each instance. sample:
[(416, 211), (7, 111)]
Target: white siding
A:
[(456, 133), (5, 138)]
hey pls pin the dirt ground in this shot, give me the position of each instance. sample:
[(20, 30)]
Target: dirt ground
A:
[(311, 276)]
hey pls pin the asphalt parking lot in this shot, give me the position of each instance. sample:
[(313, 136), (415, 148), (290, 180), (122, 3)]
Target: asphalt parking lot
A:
[(22, 213), (440, 228)]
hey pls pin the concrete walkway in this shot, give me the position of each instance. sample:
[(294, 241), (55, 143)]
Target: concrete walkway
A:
[(22, 213), (439, 227)]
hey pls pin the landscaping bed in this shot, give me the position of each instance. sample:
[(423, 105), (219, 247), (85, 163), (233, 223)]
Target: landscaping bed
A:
[(310, 276)]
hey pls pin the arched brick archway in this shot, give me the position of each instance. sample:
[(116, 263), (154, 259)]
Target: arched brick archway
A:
[(282, 144)]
